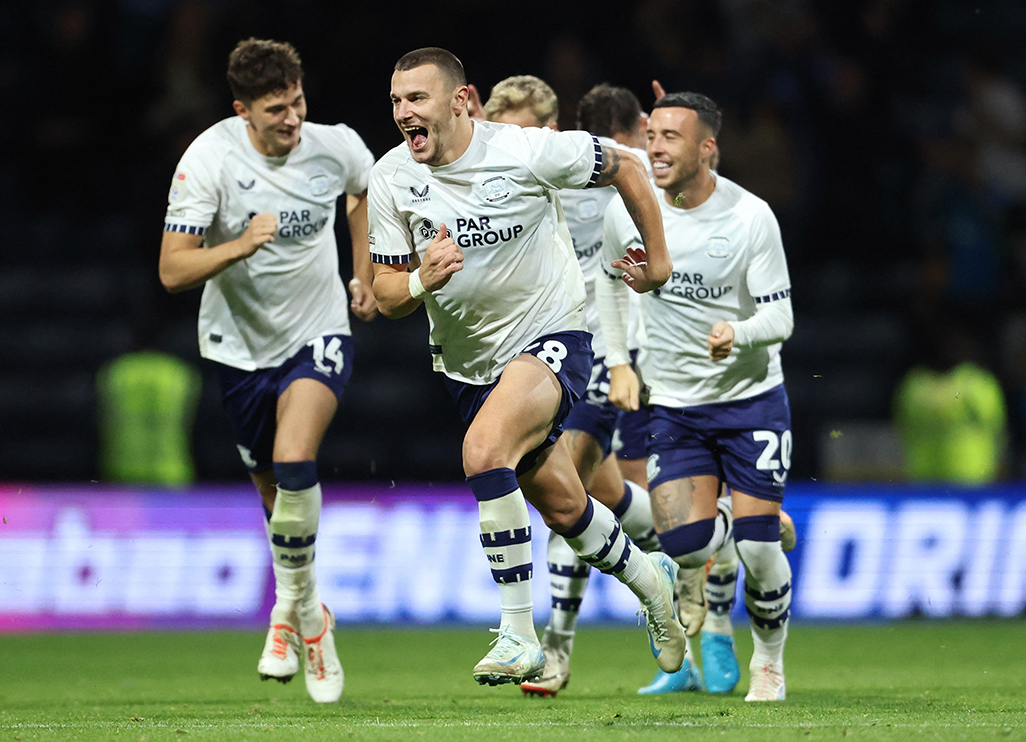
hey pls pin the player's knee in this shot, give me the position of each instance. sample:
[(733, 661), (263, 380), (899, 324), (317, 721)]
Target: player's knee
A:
[(481, 455), (560, 516), (690, 545), (291, 452)]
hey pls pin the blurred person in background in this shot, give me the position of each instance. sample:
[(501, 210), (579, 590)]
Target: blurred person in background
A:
[(950, 410), (250, 217), (146, 401)]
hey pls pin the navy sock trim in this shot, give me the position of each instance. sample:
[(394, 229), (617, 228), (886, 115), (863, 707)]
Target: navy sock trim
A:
[(293, 542), (493, 484), (582, 523), (621, 507), (565, 570), (506, 538), (604, 551), (769, 594), (567, 604), (718, 580), (514, 574), (757, 528), (296, 475), (688, 538), (624, 556), (769, 623)]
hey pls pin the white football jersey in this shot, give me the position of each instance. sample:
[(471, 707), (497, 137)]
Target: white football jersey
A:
[(727, 257), (260, 311), (520, 279), (585, 215)]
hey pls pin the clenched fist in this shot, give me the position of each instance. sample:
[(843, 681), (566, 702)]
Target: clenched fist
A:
[(260, 231)]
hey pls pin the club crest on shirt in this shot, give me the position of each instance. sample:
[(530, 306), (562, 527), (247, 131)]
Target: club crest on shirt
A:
[(718, 247), (319, 184), (496, 188), (588, 208)]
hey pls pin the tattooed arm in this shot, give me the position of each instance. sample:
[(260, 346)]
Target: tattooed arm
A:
[(648, 269)]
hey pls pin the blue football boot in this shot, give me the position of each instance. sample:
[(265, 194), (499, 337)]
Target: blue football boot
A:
[(722, 672), (687, 678)]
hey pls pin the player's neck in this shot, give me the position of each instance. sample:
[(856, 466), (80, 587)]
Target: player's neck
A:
[(693, 192), (266, 148), (462, 136)]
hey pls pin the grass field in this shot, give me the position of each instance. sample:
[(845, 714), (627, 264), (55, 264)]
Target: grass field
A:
[(923, 681)]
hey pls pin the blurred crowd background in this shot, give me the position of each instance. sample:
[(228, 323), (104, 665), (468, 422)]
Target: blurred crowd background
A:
[(889, 136)]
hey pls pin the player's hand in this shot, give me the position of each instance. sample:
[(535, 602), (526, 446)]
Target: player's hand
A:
[(260, 231), (362, 300), (720, 341), (657, 90), (624, 388), (636, 272), (442, 258), (474, 107)]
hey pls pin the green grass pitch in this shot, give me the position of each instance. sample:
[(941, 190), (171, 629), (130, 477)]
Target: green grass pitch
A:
[(903, 681)]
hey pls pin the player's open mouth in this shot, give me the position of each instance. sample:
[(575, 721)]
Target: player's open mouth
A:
[(660, 168), (417, 135)]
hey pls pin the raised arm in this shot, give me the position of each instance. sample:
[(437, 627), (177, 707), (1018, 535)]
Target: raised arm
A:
[(186, 264), (625, 172)]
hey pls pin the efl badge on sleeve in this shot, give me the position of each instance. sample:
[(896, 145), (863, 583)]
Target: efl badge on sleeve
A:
[(177, 192)]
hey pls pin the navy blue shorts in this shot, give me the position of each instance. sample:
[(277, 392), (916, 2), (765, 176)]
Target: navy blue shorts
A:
[(251, 397), (630, 441), (569, 356), (594, 414), (746, 443)]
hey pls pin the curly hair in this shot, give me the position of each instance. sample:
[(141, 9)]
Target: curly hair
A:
[(257, 67)]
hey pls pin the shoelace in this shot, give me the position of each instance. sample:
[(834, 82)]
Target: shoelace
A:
[(767, 679), (280, 647), (279, 643), (316, 661), (506, 641), (655, 619)]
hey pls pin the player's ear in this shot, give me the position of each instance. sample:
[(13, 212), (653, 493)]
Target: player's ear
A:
[(241, 109), (460, 99), (707, 148)]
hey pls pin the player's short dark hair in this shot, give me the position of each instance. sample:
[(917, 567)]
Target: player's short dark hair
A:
[(257, 67), (708, 112), (443, 59), (606, 110)]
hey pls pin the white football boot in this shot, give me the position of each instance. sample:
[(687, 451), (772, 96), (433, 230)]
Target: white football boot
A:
[(788, 533), (512, 659), (324, 677), (767, 682), (689, 587), (557, 668), (280, 658), (665, 633)]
